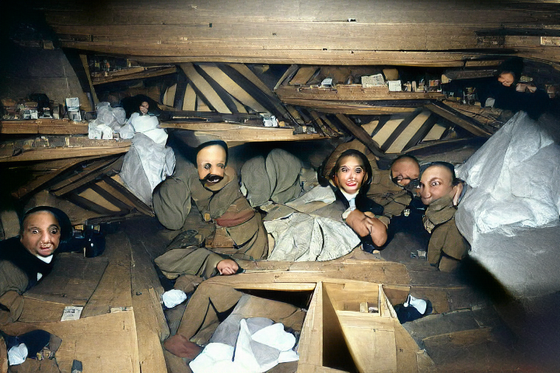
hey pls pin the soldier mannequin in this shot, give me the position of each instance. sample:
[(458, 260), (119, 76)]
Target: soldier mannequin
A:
[(214, 188)]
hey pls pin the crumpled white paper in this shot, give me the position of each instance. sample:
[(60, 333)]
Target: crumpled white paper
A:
[(173, 297), (17, 354), (254, 352)]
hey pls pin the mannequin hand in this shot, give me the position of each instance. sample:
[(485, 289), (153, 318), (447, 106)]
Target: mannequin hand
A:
[(227, 267), (365, 223)]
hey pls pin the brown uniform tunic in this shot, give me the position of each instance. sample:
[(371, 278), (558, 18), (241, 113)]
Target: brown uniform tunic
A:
[(223, 205), (447, 246), (392, 197)]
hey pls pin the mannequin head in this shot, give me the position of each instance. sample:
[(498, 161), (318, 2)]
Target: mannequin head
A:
[(42, 230), (211, 161), (351, 172)]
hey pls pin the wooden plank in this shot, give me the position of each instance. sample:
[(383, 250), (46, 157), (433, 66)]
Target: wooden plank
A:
[(331, 125), (169, 95), (189, 99), (104, 343), (321, 37), (303, 75), (328, 10), (90, 205), (73, 280), (232, 87), (315, 57), (399, 129), (459, 119), (253, 78), (257, 89), (204, 88), (151, 324), (111, 201), (288, 75), (40, 181), (74, 182), (348, 107), (361, 135), (136, 74), (325, 129), (426, 128), (250, 135), (352, 92), (460, 338), (371, 340), (435, 132), (114, 185), (85, 64), (370, 127), (61, 153), (36, 310), (271, 272), (43, 127), (311, 340), (408, 133), (221, 126), (384, 132), (114, 289)]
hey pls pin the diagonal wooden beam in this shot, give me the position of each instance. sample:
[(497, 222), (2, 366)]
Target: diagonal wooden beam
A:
[(457, 118), (231, 86), (361, 135), (40, 181), (205, 88)]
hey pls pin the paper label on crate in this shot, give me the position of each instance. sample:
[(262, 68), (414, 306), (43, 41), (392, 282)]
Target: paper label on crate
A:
[(71, 313), (395, 85), (373, 81), (73, 103)]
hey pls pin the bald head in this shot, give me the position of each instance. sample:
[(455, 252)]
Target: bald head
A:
[(437, 181), (404, 169)]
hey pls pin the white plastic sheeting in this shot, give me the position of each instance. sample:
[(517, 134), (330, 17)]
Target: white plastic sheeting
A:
[(146, 165), (514, 179), (510, 212)]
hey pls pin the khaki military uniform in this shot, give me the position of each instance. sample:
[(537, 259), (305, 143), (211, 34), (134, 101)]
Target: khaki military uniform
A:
[(13, 282), (385, 192), (447, 246), (222, 205)]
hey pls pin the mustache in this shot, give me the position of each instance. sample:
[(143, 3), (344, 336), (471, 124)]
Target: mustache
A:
[(212, 178)]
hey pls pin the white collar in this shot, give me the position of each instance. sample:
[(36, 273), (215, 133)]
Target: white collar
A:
[(349, 196), (46, 259)]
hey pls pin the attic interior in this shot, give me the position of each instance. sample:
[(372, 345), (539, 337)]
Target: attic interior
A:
[(406, 77)]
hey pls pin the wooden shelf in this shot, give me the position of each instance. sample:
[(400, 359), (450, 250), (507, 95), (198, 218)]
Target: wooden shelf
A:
[(351, 92), (44, 149), (234, 134), (132, 73), (43, 127)]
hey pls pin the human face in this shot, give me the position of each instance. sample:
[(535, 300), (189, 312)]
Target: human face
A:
[(211, 164), (404, 170), (506, 79), (41, 233), (144, 107), (350, 175), (436, 182)]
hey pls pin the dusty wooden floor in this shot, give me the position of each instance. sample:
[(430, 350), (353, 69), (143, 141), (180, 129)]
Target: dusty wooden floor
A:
[(466, 331)]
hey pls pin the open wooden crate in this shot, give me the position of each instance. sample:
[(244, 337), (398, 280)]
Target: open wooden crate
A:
[(349, 325), (352, 327)]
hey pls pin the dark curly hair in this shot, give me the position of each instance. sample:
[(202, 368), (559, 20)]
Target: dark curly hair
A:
[(365, 164)]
